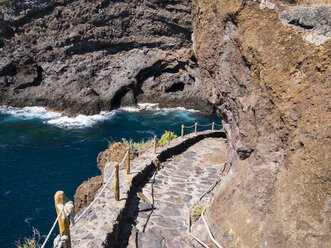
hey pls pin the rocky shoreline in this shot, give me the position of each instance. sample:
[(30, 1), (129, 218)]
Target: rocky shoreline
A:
[(80, 57)]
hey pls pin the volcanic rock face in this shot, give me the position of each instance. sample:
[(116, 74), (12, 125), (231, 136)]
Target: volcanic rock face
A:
[(264, 64), (87, 56), (272, 89)]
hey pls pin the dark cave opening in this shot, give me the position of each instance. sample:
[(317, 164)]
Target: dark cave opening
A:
[(176, 87)]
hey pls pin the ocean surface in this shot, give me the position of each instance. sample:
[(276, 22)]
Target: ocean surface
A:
[(42, 152)]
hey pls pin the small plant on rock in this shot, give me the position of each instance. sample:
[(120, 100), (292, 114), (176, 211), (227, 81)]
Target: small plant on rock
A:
[(198, 210), (30, 242), (165, 137), (139, 146)]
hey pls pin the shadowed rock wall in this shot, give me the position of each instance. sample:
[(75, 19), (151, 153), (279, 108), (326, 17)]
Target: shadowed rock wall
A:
[(87, 56), (271, 86)]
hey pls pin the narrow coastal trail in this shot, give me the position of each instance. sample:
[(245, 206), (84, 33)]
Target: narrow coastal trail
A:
[(157, 216)]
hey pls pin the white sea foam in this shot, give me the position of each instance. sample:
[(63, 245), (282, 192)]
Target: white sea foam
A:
[(80, 121), (27, 220), (154, 107), (54, 118), (146, 132), (30, 113)]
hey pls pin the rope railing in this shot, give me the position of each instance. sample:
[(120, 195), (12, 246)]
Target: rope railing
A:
[(207, 125), (202, 213), (190, 126), (100, 192), (77, 218), (143, 150), (50, 232), (63, 240), (213, 124), (204, 125), (208, 230)]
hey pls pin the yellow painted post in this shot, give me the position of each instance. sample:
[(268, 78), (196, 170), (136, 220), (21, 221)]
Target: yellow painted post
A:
[(213, 126), (196, 127), (182, 131), (128, 162), (117, 184), (169, 136), (60, 198), (154, 145)]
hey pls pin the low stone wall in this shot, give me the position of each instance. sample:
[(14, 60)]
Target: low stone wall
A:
[(99, 226)]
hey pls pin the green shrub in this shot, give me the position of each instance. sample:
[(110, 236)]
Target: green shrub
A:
[(31, 242), (198, 210), (139, 146), (165, 137)]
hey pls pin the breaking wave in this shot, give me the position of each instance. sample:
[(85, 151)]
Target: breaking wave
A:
[(30, 113), (56, 119), (155, 107), (82, 121)]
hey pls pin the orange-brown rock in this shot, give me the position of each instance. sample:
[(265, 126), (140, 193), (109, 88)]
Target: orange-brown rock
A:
[(114, 153), (86, 191), (271, 84)]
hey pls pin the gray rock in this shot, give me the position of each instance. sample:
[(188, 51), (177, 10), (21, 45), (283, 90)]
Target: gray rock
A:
[(149, 239), (187, 198), (266, 4), (143, 206), (89, 236), (312, 22)]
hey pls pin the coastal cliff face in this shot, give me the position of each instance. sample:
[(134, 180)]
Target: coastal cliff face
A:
[(88, 56), (266, 66)]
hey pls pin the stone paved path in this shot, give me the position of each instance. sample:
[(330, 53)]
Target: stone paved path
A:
[(158, 218), (157, 199)]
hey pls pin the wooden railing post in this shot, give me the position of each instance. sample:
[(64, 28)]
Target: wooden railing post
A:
[(117, 185), (196, 127), (128, 162), (60, 198), (182, 131), (154, 145), (213, 126), (169, 137)]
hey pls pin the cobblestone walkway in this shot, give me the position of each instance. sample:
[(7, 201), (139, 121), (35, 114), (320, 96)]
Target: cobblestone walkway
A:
[(154, 214), (158, 217)]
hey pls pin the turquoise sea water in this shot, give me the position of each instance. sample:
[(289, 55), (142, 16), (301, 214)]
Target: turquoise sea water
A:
[(42, 152)]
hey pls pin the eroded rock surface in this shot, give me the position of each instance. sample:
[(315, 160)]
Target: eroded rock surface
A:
[(272, 90), (84, 57)]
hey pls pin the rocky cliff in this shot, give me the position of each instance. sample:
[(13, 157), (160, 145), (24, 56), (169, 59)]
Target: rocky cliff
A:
[(266, 65), (87, 56)]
